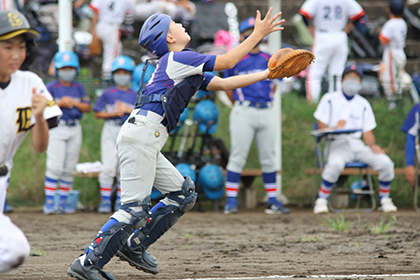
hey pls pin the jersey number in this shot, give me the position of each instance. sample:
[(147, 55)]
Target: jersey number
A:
[(335, 12), (111, 6), (24, 119)]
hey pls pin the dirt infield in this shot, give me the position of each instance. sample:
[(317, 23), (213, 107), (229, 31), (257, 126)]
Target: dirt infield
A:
[(249, 244)]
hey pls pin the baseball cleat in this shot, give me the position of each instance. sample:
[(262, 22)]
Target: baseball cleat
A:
[(321, 206), (231, 206), (90, 272), (105, 207), (139, 258), (387, 205), (275, 207), (49, 207)]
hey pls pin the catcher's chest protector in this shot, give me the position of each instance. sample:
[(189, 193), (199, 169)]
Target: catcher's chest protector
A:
[(176, 99)]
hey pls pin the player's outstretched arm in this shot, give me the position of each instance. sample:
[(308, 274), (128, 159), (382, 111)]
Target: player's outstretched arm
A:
[(236, 81), (40, 130), (262, 28)]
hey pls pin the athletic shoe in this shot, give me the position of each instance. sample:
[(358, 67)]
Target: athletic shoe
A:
[(90, 272), (321, 206), (7, 208), (65, 208), (387, 205), (275, 207), (231, 206), (49, 207), (139, 258), (105, 207)]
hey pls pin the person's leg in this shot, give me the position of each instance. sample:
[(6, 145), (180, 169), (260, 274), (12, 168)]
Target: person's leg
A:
[(337, 62), (111, 45)]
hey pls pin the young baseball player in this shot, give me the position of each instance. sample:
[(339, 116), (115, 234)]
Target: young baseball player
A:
[(252, 116), (25, 104), (392, 37), (66, 139), (108, 16), (330, 21), (114, 106), (347, 110), (179, 73)]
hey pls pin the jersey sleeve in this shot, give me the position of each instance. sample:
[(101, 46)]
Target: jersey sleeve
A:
[(369, 122), (355, 10), (94, 5), (83, 96), (308, 9), (411, 122), (192, 63), (322, 112), (207, 78), (100, 103), (386, 32)]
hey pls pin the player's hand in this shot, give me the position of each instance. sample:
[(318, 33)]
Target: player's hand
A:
[(39, 103), (122, 107), (67, 102), (267, 25), (341, 124), (376, 149), (410, 174)]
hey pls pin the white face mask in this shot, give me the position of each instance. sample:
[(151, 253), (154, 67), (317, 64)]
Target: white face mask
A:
[(351, 87), (67, 75), (122, 80)]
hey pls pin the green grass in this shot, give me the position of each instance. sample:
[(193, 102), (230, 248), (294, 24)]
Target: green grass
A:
[(27, 181), (383, 226), (338, 223)]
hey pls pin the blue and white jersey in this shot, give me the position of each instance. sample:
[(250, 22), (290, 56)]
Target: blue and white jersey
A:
[(107, 101), (75, 91), (260, 92), (411, 124), (173, 68)]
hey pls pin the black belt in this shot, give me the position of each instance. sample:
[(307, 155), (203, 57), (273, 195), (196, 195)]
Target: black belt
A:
[(258, 105)]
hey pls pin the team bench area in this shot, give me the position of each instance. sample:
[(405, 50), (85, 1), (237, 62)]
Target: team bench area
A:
[(352, 171)]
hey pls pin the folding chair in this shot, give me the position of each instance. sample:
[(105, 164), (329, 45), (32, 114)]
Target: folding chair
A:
[(362, 167)]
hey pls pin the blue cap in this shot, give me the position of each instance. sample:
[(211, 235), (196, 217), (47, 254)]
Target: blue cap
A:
[(353, 68), (64, 59), (247, 24), (212, 181), (123, 62), (397, 7)]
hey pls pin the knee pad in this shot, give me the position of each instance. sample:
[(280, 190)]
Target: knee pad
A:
[(165, 217), (138, 219), (108, 243)]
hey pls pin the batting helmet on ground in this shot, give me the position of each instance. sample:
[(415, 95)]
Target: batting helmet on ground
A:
[(206, 114), (153, 34), (64, 59), (212, 180)]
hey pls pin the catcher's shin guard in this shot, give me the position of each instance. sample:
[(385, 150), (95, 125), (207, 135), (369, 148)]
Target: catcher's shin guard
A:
[(165, 217), (107, 243)]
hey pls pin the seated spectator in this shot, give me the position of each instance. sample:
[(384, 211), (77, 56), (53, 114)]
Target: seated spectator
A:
[(347, 110), (411, 127)]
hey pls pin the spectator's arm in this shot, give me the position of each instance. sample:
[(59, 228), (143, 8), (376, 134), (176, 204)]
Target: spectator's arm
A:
[(94, 22), (369, 139)]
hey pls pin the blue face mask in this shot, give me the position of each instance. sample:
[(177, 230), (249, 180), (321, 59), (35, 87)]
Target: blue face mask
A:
[(122, 80), (67, 75)]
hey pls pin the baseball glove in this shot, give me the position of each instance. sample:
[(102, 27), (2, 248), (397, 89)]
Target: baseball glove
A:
[(288, 62)]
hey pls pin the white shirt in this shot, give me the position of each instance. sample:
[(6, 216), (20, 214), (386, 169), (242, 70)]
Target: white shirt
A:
[(394, 32), (10, 4), (331, 15), (357, 113), (15, 112), (112, 11)]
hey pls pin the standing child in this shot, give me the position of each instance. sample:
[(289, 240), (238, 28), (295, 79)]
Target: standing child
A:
[(252, 117), (114, 106), (25, 104), (179, 74), (392, 37), (66, 139)]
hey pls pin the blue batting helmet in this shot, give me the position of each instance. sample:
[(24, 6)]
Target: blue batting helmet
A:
[(67, 58), (186, 170), (206, 114), (153, 34), (247, 24), (123, 62), (212, 180), (138, 71)]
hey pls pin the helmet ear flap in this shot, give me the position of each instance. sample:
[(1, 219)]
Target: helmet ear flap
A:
[(31, 54)]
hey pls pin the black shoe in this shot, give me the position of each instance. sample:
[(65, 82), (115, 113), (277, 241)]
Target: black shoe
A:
[(139, 258), (90, 272)]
